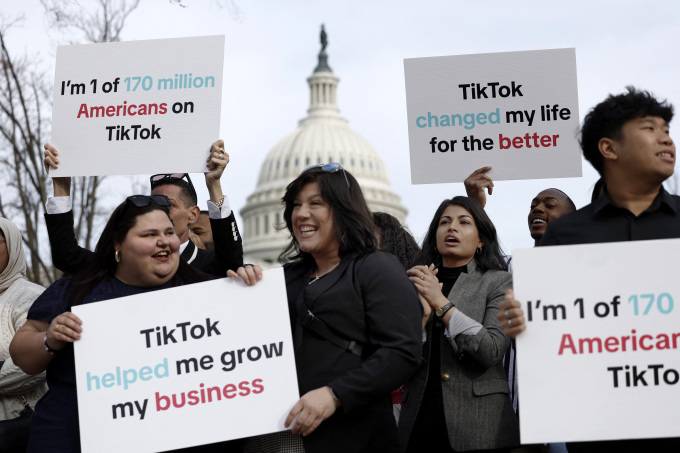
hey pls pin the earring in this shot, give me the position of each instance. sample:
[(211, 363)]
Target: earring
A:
[(479, 250), (117, 256)]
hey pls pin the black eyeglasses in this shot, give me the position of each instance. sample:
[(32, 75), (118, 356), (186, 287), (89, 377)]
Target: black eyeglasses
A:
[(142, 201), (330, 168), (181, 178)]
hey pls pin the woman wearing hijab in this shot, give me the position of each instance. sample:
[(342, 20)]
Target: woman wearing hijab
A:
[(16, 296)]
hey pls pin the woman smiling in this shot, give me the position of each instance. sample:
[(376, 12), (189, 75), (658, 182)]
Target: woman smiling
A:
[(355, 315)]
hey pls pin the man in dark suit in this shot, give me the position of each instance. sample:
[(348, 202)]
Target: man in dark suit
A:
[(69, 257)]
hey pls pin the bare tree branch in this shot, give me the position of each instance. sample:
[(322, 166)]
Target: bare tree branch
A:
[(104, 24), (22, 101)]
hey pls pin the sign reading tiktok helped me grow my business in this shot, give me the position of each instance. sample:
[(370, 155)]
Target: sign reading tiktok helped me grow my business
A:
[(600, 357), (137, 107), (516, 111), (190, 365)]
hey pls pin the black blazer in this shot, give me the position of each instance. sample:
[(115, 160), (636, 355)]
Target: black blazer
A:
[(70, 258), (372, 301)]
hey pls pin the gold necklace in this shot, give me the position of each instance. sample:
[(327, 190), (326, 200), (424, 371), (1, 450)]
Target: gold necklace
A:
[(319, 276)]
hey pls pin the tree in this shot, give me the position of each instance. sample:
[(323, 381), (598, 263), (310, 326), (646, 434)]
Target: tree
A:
[(24, 112), (24, 127), (104, 24), (23, 101)]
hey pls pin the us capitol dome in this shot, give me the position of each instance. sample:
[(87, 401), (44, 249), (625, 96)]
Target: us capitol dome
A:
[(322, 137)]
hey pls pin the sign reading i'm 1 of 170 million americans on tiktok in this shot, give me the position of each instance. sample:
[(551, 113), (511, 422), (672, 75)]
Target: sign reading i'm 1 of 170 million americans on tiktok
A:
[(137, 107)]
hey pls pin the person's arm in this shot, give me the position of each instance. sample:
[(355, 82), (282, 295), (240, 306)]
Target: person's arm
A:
[(27, 348), (13, 381), (489, 344), (61, 184), (477, 182), (67, 255), (228, 251)]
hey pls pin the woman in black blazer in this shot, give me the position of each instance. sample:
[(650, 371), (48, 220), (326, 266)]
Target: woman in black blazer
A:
[(355, 314), (459, 398)]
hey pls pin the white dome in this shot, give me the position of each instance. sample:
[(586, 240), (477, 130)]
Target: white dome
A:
[(322, 137)]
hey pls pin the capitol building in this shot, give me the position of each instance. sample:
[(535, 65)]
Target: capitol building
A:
[(322, 137)]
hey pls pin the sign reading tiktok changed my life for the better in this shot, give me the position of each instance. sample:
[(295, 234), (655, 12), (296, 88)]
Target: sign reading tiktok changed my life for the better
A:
[(138, 107), (185, 366), (600, 357), (516, 111)]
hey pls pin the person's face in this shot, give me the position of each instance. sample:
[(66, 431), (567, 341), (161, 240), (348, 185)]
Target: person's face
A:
[(645, 149), (180, 214), (457, 236), (313, 223), (201, 228), (149, 254), (4, 254), (546, 207)]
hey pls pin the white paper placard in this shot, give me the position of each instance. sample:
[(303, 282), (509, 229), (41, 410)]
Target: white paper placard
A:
[(185, 366), (599, 359), (517, 111), (138, 107)]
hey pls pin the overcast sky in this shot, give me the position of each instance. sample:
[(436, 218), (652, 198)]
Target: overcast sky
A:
[(271, 48)]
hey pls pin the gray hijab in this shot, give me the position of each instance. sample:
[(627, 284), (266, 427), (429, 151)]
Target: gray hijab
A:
[(16, 266)]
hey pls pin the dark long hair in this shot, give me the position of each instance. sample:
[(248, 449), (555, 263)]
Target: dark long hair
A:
[(491, 257), (352, 220), (396, 239), (103, 265)]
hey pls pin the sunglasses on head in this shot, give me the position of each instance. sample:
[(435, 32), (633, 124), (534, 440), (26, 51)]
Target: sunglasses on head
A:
[(181, 178), (329, 168), (142, 201)]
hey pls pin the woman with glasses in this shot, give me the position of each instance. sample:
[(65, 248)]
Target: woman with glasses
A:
[(137, 253), (16, 296), (459, 398), (354, 313)]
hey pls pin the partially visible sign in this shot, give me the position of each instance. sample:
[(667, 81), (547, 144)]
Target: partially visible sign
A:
[(600, 357)]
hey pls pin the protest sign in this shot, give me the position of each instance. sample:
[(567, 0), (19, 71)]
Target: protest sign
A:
[(599, 358), (516, 111), (137, 107), (190, 365)]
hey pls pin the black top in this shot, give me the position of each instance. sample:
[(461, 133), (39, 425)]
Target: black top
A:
[(448, 276), (604, 221)]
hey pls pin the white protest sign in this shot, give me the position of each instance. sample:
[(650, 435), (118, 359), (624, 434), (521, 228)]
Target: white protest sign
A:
[(517, 111), (599, 359), (138, 107), (191, 365)]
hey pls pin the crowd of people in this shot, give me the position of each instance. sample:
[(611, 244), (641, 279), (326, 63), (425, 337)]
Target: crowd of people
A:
[(398, 346)]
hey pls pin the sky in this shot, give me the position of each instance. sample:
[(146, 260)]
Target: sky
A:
[(271, 49)]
